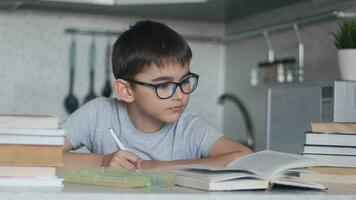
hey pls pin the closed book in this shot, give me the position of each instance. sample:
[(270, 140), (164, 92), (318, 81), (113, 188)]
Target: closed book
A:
[(32, 131), (329, 178), (28, 121), (30, 182), (31, 139), (27, 171), (255, 171), (334, 160), (31, 155), (334, 170), (312, 138), (344, 175), (334, 127), (329, 150)]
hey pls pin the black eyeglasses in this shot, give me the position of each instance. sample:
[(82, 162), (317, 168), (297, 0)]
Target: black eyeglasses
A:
[(166, 90)]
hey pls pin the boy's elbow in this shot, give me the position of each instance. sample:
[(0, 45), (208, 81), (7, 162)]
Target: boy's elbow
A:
[(67, 146)]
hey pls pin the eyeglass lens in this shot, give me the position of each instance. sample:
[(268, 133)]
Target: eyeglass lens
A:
[(187, 86)]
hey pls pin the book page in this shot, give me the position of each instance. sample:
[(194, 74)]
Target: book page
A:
[(213, 175), (297, 182), (267, 164)]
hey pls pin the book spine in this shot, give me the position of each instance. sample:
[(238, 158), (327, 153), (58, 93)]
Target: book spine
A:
[(329, 150), (31, 155), (330, 139), (31, 140), (333, 160), (32, 131), (334, 127)]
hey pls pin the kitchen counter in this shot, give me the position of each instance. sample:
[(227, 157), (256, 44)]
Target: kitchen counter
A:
[(77, 192)]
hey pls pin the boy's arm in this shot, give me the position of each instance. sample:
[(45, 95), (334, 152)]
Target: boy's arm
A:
[(79, 160), (223, 151), (119, 159)]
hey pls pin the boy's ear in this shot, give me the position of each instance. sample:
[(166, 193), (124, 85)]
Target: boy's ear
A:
[(123, 90)]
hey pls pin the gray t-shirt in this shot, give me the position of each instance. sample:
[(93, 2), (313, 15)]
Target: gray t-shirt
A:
[(189, 138)]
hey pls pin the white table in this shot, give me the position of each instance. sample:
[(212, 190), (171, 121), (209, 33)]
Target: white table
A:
[(84, 192)]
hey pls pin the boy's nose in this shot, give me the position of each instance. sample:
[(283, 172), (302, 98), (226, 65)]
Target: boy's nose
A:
[(178, 94)]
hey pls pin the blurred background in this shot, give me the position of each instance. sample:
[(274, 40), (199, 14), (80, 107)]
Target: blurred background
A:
[(229, 39)]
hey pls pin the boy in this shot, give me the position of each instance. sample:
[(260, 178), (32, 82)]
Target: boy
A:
[(153, 82)]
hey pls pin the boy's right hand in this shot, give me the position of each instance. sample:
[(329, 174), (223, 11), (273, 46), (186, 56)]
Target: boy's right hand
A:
[(122, 159)]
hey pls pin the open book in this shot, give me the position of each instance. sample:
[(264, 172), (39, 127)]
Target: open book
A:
[(255, 171)]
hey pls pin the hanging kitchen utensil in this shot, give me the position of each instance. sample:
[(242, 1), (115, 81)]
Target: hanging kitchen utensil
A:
[(71, 102), (300, 72), (92, 53), (265, 72), (107, 86)]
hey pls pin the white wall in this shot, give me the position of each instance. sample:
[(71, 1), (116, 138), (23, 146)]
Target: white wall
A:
[(34, 73)]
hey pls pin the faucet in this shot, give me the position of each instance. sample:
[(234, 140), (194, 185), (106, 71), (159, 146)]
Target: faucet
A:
[(246, 116)]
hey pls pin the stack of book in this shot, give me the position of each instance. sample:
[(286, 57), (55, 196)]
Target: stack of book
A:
[(31, 147), (333, 144)]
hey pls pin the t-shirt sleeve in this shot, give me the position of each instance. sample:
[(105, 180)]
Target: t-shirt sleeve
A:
[(200, 136), (80, 126)]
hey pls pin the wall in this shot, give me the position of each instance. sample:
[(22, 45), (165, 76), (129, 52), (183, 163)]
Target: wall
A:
[(34, 73), (241, 56)]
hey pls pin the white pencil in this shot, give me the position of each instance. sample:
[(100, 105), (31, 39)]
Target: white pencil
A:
[(121, 146)]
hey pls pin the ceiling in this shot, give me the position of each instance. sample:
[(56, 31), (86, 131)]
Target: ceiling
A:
[(210, 11)]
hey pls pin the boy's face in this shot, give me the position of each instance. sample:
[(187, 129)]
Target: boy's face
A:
[(148, 105)]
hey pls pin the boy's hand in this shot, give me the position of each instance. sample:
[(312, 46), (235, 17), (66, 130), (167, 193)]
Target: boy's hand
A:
[(122, 159)]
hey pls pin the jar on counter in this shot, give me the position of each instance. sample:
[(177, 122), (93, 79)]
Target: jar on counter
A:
[(278, 71), (290, 70)]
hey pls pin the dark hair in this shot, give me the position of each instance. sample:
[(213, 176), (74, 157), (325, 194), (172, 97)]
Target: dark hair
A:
[(146, 43)]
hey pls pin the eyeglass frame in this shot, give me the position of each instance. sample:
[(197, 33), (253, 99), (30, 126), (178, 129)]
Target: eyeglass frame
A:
[(177, 84)]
